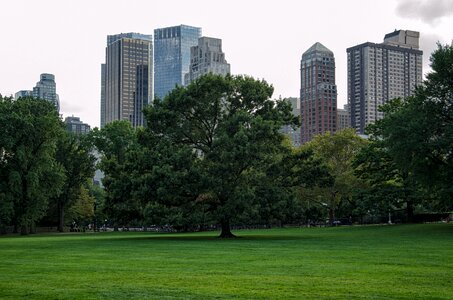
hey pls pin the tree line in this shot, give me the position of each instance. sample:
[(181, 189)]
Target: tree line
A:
[(212, 153), (44, 170)]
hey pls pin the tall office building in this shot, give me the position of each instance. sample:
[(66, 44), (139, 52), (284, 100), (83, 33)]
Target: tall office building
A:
[(318, 92), (46, 89), (172, 56), (207, 57), (293, 133), (127, 85), (380, 72)]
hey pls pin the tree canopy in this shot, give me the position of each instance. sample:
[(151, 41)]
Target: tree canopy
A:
[(231, 125), (74, 154), (30, 175), (337, 151), (417, 132)]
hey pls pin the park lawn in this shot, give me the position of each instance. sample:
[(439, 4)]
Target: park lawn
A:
[(369, 262)]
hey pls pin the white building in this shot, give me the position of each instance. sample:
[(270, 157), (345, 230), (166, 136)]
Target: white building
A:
[(381, 72)]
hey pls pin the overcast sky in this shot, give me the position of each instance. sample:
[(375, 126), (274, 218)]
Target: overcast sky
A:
[(261, 38)]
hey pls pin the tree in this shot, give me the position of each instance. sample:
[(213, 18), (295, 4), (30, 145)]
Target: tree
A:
[(114, 142), (75, 156), (82, 209), (6, 142), (388, 189), (278, 188), (337, 152), (231, 126), (417, 132), (30, 173)]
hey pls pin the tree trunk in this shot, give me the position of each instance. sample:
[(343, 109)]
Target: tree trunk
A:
[(24, 230), (226, 230), (331, 216), (60, 217), (32, 228), (410, 211)]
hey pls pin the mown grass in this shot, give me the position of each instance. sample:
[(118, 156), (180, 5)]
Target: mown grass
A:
[(372, 262)]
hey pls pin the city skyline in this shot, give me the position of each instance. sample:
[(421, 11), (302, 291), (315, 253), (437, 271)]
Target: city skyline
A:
[(263, 40)]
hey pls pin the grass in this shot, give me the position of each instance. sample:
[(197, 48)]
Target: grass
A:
[(372, 262)]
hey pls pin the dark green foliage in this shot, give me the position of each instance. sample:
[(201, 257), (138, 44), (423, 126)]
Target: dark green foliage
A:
[(337, 152), (75, 156), (417, 132), (224, 133), (30, 175), (116, 142)]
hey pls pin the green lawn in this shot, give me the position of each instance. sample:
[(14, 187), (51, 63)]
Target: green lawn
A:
[(372, 262)]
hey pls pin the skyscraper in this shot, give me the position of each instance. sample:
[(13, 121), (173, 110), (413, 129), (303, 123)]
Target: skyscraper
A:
[(127, 86), (207, 57), (172, 56), (380, 72), (318, 92), (46, 89)]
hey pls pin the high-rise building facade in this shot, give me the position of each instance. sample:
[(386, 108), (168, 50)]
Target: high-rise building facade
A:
[(318, 92), (207, 57), (46, 89), (172, 56), (74, 125), (343, 118), (102, 95), (293, 133), (380, 72), (128, 78)]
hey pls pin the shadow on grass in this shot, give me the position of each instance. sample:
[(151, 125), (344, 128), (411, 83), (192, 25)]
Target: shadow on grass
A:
[(193, 237)]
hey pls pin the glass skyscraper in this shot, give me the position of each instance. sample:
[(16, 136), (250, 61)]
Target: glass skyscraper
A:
[(172, 56), (46, 89)]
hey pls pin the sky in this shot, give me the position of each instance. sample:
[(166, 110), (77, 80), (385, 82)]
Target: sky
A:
[(261, 38)]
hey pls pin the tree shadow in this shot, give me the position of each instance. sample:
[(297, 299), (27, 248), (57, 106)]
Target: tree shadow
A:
[(196, 237)]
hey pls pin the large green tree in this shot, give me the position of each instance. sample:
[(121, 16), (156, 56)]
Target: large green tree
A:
[(337, 151), (388, 189), (30, 175), (231, 127), (74, 154), (417, 132), (115, 142)]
